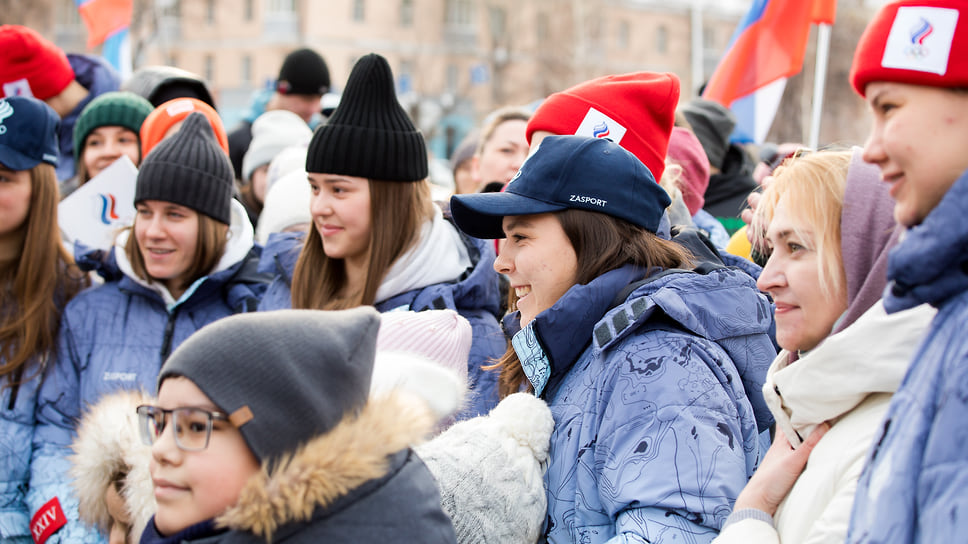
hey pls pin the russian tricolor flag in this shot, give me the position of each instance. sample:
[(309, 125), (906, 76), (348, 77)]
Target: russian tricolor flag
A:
[(766, 49), (107, 23)]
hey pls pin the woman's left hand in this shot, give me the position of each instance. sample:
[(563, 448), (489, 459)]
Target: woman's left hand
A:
[(779, 470)]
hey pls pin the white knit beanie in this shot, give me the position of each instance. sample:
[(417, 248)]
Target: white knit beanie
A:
[(287, 204), (290, 159), (442, 336), (272, 132), (490, 471)]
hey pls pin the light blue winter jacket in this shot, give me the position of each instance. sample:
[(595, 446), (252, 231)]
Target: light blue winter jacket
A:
[(116, 336), (653, 395), (915, 486), (475, 295), (16, 429)]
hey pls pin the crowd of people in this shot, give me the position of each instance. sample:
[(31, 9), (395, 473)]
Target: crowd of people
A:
[(620, 327)]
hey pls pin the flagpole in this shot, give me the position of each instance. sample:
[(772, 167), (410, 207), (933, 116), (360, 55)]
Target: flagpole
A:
[(819, 80)]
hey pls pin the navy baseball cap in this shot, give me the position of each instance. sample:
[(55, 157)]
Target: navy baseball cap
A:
[(565, 172), (28, 133)]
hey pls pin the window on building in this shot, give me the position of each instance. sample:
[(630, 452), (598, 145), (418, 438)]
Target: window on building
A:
[(246, 70), (497, 21), (406, 13), (359, 10), (708, 37), (210, 12), (452, 74), (662, 39), (623, 35), (249, 10), (458, 12), (541, 28), (67, 14), (209, 69), (281, 6)]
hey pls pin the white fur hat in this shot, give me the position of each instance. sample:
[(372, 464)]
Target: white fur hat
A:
[(287, 204), (490, 471), (272, 132), (108, 444)]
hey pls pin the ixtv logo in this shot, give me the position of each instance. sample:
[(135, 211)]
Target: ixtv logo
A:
[(47, 521)]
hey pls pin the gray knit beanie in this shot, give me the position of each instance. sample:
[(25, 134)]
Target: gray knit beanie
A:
[(283, 377), (369, 135), (189, 168), (712, 123)]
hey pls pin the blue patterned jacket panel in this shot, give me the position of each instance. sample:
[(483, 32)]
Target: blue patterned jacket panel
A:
[(913, 488), (655, 435)]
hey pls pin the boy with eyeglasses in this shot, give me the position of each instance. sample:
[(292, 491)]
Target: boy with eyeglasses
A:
[(263, 431)]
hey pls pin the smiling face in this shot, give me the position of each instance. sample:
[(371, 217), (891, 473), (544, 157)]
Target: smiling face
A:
[(502, 154), (539, 261), (805, 311), (104, 145), (340, 207), (167, 236), (193, 486), (917, 139)]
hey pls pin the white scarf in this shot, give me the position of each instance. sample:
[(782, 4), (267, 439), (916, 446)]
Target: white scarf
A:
[(439, 256)]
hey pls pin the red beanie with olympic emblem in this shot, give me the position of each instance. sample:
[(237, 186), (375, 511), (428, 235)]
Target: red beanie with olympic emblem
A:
[(636, 111), (31, 65), (916, 42)]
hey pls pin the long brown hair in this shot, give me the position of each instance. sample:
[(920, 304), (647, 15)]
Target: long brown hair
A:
[(209, 248), (602, 243), (398, 210), (43, 280)]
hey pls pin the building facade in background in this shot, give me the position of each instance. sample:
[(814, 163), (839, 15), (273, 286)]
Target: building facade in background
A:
[(454, 60)]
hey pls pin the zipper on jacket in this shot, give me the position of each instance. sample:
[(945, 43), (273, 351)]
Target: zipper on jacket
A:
[(169, 332)]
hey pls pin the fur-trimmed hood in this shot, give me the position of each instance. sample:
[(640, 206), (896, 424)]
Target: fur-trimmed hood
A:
[(108, 444), (331, 466)]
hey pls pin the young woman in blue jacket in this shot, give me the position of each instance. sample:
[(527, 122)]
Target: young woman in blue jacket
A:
[(187, 261), (37, 278), (911, 68), (641, 358), (378, 238)]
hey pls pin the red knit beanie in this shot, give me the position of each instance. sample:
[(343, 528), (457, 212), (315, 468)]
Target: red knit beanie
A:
[(635, 110), (164, 116), (917, 42), (686, 151), (30, 65)]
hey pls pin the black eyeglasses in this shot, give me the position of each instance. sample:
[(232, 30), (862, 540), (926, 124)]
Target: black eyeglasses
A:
[(192, 426)]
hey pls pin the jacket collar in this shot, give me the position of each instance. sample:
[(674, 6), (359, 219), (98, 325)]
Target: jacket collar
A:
[(930, 264), (329, 467), (871, 356), (561, 333)]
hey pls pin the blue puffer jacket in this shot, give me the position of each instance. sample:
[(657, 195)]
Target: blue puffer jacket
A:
[(475, 295), (655, 434), (913, 488), (16, 429), (116, 336), (98, 77)]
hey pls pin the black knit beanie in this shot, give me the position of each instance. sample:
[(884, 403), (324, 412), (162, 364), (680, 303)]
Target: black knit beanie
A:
[(369, 135), (191, 169), (283, 377), (303, 72)]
